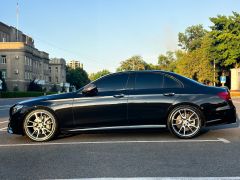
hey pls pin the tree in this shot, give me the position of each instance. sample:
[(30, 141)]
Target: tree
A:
[(191, 39), (167, 62), (98, 74), (133, 63), (77, 77), (197, 63), (33, 86), (4, 85), (225, 47)]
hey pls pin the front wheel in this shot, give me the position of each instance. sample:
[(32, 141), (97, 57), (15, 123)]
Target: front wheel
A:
[(40, 125), (185, 122)]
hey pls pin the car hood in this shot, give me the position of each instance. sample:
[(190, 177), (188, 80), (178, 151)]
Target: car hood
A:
[(48, 97)]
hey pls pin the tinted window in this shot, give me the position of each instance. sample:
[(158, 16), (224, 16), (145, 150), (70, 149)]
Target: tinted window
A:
[(169, 82), (112, 82), (149, 81)]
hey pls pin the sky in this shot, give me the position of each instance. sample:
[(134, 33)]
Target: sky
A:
[(102, 33)]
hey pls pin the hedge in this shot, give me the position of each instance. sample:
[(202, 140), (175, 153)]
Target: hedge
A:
[(18, 94)]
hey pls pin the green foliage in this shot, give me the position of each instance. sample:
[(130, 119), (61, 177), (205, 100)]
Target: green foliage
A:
[(196, 64), (192, 37), (54, 88), (225, 35), (33, 86), (167, 62), (4, 85), (133, 63), (98, 74), (77, 77)]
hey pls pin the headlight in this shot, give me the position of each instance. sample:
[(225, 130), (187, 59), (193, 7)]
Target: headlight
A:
[(17, 108)]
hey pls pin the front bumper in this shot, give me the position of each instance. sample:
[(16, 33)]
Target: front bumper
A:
[(15, 125)]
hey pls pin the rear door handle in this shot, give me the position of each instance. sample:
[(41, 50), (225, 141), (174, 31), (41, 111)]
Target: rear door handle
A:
[(169, 94), (119, 95)]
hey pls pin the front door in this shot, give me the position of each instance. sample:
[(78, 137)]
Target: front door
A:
[(107, 108)]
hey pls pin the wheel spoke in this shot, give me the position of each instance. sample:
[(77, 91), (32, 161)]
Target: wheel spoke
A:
[(36, 117), (193, 126), (191, 115), (46, 129), (180, 129), (31, 122), (38, 131), (190, 128), (30, 126), (181, 114)]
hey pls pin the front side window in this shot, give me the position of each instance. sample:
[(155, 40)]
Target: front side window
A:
[(149, 81), (112, 82)]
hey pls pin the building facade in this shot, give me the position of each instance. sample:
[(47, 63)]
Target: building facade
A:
[(74, 64), (20, 63), (57, 69)]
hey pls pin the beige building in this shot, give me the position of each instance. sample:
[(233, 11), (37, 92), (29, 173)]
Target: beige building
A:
[(74, 64), (20, 61), (57, 69)]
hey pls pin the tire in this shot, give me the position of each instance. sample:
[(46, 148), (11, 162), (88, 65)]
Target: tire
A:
[(40, 125), (185, 121)]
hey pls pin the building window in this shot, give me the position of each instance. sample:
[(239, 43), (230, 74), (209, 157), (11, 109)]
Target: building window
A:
[(50, 79), (4, 74), (3, 60), (56, 68), (56, 79)]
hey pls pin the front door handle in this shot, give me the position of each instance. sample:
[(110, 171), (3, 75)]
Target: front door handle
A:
[(169, 94), (119, 95)]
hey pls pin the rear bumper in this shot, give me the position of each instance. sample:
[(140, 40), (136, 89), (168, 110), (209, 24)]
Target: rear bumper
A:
[(226, 116)]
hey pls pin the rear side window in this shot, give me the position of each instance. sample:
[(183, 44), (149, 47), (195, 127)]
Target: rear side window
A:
[(149, 81), (112, 82), (170, 82)]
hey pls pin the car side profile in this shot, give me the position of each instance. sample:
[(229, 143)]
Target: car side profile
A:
[(126, 100)]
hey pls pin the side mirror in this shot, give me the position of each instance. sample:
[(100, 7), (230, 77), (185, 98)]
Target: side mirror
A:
[(90, 90)]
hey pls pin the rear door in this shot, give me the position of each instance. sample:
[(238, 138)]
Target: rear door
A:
[(153, 94)]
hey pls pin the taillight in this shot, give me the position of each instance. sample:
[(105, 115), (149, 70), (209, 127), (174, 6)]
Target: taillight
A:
[(224, 95)]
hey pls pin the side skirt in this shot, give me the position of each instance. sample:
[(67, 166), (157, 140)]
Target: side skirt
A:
[(115, 128)]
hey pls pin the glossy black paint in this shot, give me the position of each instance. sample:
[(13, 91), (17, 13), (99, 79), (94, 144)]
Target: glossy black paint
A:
[(128, 106)]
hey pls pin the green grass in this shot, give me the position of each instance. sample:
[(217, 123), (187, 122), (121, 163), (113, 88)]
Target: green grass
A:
[(18, 94)]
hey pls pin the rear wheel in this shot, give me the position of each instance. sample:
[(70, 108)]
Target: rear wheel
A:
[(185, 122), (40, 125)]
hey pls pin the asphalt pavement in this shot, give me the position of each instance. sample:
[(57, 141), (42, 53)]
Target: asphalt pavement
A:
[(121, 154)]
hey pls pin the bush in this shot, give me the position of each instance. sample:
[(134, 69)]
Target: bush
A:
[(33, 86), (23, 94)]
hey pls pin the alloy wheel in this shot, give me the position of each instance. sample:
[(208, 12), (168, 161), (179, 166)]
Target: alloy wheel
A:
[(185, 122), (40, 125)]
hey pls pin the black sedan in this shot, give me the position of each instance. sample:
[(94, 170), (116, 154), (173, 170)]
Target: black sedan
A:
[(134, 99)]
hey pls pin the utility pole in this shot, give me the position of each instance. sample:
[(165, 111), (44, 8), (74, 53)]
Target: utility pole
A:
[(214, 71), (17, 16)]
